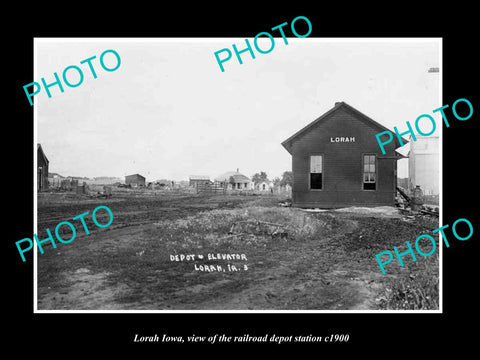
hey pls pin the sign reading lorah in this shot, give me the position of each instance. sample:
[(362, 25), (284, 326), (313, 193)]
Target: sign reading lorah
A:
[(58, 227), (342, 139)]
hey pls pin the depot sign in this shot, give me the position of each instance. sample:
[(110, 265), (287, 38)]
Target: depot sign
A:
[(342, 139)]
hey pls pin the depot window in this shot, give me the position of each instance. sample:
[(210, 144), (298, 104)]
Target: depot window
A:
[(369, 172), (316, 170)]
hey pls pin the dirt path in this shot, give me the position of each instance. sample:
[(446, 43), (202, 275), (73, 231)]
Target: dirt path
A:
[(304, 275), (303, 280), (326, 263)]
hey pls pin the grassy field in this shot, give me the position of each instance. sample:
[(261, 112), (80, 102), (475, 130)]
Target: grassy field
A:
[(315, 261)]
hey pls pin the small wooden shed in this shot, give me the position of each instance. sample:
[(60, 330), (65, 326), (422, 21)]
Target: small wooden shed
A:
[(135, 180), (199, 180), (42, 169)]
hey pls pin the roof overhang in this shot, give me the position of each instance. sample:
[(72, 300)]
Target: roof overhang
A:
[(287, 144)]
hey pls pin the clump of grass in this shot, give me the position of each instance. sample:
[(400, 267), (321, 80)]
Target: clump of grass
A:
[(214, 225), (416, 290)]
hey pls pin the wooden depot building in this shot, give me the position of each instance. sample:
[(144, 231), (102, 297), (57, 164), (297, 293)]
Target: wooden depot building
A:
[(337, 162)]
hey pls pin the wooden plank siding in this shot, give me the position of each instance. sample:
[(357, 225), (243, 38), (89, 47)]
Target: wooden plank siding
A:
[(135, 179), (42, 169), (342, 176)]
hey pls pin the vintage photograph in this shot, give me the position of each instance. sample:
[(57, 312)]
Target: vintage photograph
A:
[(169, 185)]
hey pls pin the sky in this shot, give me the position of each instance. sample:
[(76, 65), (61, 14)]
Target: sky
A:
[(168, 111)]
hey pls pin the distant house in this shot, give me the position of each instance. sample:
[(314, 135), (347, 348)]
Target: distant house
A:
[(42, 169), (234, 180), (54, 179), (135, 180), (78, 178), (104, 180), (264, 186), (287, 188), (195, 180)]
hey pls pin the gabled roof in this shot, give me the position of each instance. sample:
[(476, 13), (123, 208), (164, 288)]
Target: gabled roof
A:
[(39, 148), (287, 144), (237, 177), (135, 175), (199, 177)]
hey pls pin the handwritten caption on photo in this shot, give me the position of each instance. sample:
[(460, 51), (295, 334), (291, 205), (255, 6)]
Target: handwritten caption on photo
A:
[(213, 257)]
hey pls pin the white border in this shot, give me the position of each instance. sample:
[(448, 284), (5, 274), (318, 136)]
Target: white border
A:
[(290, 40)]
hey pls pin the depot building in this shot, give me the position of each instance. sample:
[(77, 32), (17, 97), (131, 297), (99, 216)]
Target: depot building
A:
[(336, 162)]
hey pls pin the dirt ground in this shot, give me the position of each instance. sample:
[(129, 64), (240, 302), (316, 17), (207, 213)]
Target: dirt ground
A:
[(322, 260)]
